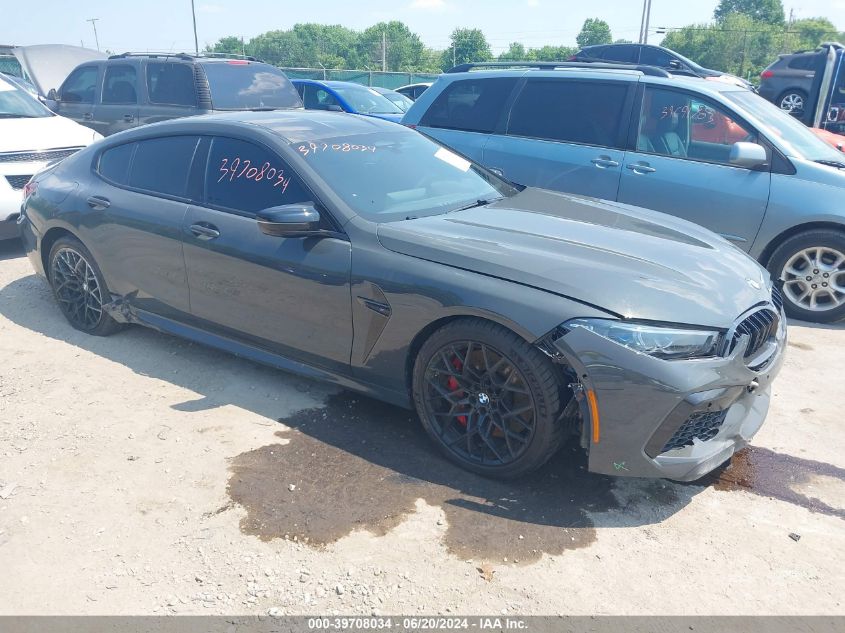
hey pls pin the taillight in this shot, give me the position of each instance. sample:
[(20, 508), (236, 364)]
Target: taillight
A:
[(572, 58), (29, 189), (238, 62), (767, 74)]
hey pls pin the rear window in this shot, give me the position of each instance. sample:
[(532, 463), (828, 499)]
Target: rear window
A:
[(624, 53), (588, 113), (161, 165), (240, 85), (474, 105), (114, 163), (803, 62), (171, 83)]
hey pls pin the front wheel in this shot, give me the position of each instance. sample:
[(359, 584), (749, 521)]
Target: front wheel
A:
[(811, 266), (79, 287), (488, 399), (793, 101)]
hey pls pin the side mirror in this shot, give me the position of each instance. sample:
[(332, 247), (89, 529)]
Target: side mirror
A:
[(674, 64), (289, 220), (334, 108), (748, 155), (53, 95)]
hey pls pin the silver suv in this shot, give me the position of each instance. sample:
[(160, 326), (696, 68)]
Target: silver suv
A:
[(705, 151), (132, 89)]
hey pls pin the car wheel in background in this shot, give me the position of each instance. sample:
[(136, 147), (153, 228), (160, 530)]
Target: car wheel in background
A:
[(811, 266), (79, 287), (488, 399), (792, 101)]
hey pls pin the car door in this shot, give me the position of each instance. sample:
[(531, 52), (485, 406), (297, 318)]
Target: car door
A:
[(466, 112), (288, 295), (566, 135), (78, 94), (168, 91), (117, 108), (681, 165), (140, 192)]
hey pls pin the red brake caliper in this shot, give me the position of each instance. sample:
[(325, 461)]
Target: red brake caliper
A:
[(453, 385)]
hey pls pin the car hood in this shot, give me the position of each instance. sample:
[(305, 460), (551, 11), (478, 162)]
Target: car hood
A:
[(42, 133), (628, 261), (388, 116), (48, 65)]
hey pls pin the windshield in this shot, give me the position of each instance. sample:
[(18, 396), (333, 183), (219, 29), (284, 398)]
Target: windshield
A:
[(17, 104), (399, 100), (791, 136), (366, 101), (386, 176), (238, 85)]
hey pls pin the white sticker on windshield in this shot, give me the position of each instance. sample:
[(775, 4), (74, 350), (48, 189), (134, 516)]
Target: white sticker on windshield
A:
[(453, 159)]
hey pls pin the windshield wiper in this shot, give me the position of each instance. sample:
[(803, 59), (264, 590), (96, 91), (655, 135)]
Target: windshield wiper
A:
[(481, 202), (9, 115), (831, 163)]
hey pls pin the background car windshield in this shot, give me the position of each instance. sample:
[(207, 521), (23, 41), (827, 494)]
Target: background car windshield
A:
[(245, 86), (794, 137), (16, 104), (366, 101), (396, 175)]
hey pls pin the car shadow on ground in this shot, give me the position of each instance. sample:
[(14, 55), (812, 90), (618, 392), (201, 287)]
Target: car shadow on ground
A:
[(11, 249), (355, 463)]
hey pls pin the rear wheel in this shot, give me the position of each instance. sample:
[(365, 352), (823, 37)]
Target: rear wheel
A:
[(812, 268), (79, 287), (792, 101), (488, 399)]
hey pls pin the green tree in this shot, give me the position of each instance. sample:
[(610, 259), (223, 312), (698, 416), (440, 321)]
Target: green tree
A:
[(404, 48), (810, 32), (550, 53), (768, 11), (231, 44), (516, 52), (468, 45), (594, 31)]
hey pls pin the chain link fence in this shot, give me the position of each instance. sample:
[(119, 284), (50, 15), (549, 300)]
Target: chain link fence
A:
[(365, 77)]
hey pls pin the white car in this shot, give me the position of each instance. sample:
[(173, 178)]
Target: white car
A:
[(31, 137)]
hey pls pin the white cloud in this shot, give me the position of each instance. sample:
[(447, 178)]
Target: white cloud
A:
[(429, 5), (533, 3)]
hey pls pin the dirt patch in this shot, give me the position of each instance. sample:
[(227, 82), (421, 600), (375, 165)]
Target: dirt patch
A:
[(362, 464), (803, 346), (775, 475)]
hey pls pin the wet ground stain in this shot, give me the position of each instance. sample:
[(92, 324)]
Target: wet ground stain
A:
[(802, 346), (362, 464), (774, 475)]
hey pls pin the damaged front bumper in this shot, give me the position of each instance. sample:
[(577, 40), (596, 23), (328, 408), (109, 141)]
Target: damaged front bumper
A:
[(676, 419)]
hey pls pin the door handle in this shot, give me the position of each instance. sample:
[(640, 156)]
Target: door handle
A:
[(99, 203), (88, 116), (604, 162), (641, 168), (205, 231), (128, 118)]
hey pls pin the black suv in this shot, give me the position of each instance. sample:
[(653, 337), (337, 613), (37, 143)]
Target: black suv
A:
[(650, 55), (132, 89), (788, 81)]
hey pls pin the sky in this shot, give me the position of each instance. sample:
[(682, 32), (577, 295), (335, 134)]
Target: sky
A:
[(165, 25)]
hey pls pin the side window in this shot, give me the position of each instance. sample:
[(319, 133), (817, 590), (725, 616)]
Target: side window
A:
[(655, 57), (622, 53), (161, 165), (326, 99), (114, 163), (677, 124), (248, 178), (474, 105), (170, 83), (802, 62), (119, 84), (80, 86), (588, 113)]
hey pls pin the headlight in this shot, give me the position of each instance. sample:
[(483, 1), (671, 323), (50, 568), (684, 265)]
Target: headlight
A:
[(662, 342)]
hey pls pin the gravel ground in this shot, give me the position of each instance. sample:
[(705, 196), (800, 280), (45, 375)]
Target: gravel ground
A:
[(140, 474)]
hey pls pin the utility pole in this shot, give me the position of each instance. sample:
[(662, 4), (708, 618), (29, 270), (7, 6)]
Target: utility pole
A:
[(647, 16), (93, 22), (454, 63), (383, 52), (194, 16), (243, 48)]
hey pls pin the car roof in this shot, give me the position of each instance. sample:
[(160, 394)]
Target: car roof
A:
[(291, 126)]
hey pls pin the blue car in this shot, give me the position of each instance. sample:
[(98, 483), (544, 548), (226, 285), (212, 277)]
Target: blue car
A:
[(345, 96)]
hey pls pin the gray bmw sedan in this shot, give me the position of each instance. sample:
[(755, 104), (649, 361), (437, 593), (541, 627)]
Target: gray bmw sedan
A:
[(360, 252)]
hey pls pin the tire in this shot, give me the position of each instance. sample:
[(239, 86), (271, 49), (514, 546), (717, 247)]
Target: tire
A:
[(79, 287), (516, 441), (820, 255), (792, 101)]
